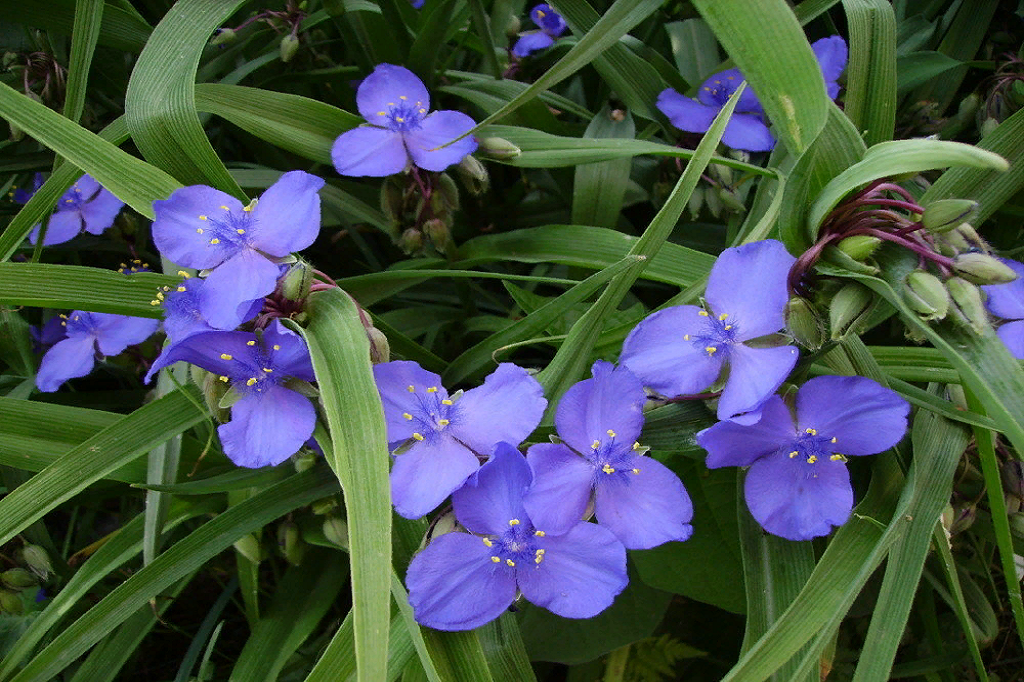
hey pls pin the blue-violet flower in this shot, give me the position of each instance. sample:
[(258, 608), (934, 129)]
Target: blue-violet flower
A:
[(551, 26), (85, 206), (461, 581), (798, 485), (396, 104), (682, 350), (1007, 301), (448, 437)]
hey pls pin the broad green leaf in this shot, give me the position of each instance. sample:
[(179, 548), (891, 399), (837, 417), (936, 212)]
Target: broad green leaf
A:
[(599, 188), (694, 49), (920, 67), (80, 288), (871, 72)]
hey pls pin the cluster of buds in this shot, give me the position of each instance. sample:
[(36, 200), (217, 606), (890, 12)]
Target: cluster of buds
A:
[(286, 21), (20, 586), (43, 79), (421, 208)]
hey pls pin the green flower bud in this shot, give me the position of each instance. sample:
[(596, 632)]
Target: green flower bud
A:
[(392, 199), (223, 36), (17, 578), (249, 546), (849, 309), (721, 173), (439, 234), (925, 294), (803, 322), (296, 282), (695, 202), (968, 309), (714, 203), (290, 542), (449, 192), (497, 148), (1017, 525), (304, 461), (289, 46), (963, 519), (325, 505), (513, 27), (473, 175), (971, 236), (380, 348), (832, 254), (980, 268), (730, 201), (37, 560), (336, 531), (988, 126), (445, 524), (945, 214), (859, 246), (411, 241), (10, 602)]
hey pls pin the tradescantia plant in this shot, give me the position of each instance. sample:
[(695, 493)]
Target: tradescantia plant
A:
[(588, 339)]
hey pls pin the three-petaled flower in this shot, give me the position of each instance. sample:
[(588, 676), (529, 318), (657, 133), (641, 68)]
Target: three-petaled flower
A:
[(798, 485), (747, 129), (1007, 301), (402, 130), (447, 436), (85, 206), (461, 581), (551, 26), (636, 497), (204, 228), (683, 349)]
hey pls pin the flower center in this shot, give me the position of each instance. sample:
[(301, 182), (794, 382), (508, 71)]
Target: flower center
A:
[(251, 374), (437, 412), (813, 448), (516, 547), (403, 115), (228, 228), (715, 334)]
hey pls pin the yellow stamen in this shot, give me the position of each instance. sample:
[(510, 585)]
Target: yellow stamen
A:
[(610, 433), (443, 422), (250, 382), (223, 378), (703, 313), (510, 563), (487, 543), (418, 436), (267, 370), (202, 217), (179, 289), (595, 445), (636, 471), (225, 356), (723, 316), (446, 402), (240, 231), (199, 230), (686, 337), (539, 533), (432, 389), (410, 388), (250, 343), (513, 522), (215, 241), (711, 350), (277, 347), (813, 432), (608, 469), (793, 454), (812, 459), (834, 439), (407, 416), (636, 445), (495, 559), (182, 273)]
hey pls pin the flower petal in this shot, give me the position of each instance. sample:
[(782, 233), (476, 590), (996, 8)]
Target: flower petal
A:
[(382, 89), (393, 382), (529, 43), (507, 408), (453, 585), (644, 504), (369, 151), (749, 133), (1012, 334), (63, 226), (494, 494), (548, 19), (225, 353), (233, 285), (796, 500), (735, 445), (427, 473), (67, 359), (562, 485), (287, 352), (685, 113), (666, 362), (581, 574), (754, 375), (605, 409), (440, 128), (267, 428), (180, 234), (288, 214), (831, 53), (114, 333), (748, 283), (1007, 300), (862, 415), (99, 214), (717, 90)]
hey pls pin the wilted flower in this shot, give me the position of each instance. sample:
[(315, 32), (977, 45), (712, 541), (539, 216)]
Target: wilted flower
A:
[(798, 485), (85, 206), (461, 581), (1007, 301), (395, 103), (551, 26)]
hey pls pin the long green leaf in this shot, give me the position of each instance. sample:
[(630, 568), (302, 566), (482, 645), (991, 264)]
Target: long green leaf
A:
[(871, 73), (81, 288), (84, 36)]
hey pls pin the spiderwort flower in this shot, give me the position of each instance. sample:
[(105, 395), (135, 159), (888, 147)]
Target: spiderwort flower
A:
[(269, 421), (636, 497), (747, 129), (683, 349), (461, 581), (21, 196), (85, 206), (448, 436), (395, 103), (551, 26), (202, 227), (1007, 301), (798, 485), (86, 335)]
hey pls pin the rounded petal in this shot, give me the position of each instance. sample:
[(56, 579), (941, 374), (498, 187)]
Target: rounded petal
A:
[(1012, 334), (62, 226), (749, 133), (494, 494), (114, 333), (605, 409), (685, 113), (862, 415), (428, 473), (581, 574), (453, 585), (754, 375), (225, 353), (748, 283), (437, 129), (562, 484), (644, 504), (1007, 300), (99, 213), (717, 90), (382, 89), (287, 352), (369, 151), (67, 359), (831, 53), (735, 445), (796, 500), (507, 408), (233, 286), (529, 43), (548, 19), (657, 352), (178, 230), (288, 214), (393, 382), (267, 429)]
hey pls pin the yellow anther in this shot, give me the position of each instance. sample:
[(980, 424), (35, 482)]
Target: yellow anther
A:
[(199, 230), (407, 416), (423, 111), (541, 551), (686, 337), (540, 14), (418, 436), (182, 273), (443, 422), (446, 402), (595, 445), (250, 382), (402, 97), (160, 295), (608, 469), (225, 207), (63, 324), (250, 343), (180, 289), (382, 113), (63, 316), (223, 378), (202, 217), (539, 558), (838, 458), (487, 543), (636, 445), (399, 119), (153, 302), (636, 471), (707, 89), (391, 104), (495, 559), (268, 370), (215, 241), (610, 433), (727, 327), (834, 439), (812, 459), (250, 207), (703, 313), (277, 347), (225, 356), (539, 533), (513, 522), (510, 563), (410, 388), (166, 288), (723, 316), (240, 231), (793, 454), (711, 350), (813, 432), (432, 389)]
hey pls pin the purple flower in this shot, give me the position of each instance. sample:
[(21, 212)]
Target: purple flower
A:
[(89, 334), (1007, 301), (551, 26), (269, 421), (21, 196), (48, 334), (462, 581), (636, 497), (85, 206), (395, 103), (682, 350), (747, 129), (417, 3), (448, 436), (201, 227), (798, 486)]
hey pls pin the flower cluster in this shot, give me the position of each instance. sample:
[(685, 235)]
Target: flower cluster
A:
[(85, 206), (550, 24)]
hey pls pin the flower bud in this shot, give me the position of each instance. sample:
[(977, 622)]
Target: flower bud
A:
[(325, 505), (10, 602), (721, 173), (714, 203), (37, 560), (336, 531), (971, 236), (473, 175), (925, 294), (963, 519), (380, 348), (988, 126), (249, 546), (296, 282), (290, 542), (859, 246), (304, 460), (439, 234), (392, 199), (411, 241), (289, 46), (804, 324), (695, 202), (448, 191), (445, 524), (1012, 474), (730, 201), (1017, 525), (979, 268), (850, 307), (223, 36), (945, 214), (968, 310), (17, 578), (513, 27), (497, 148)]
